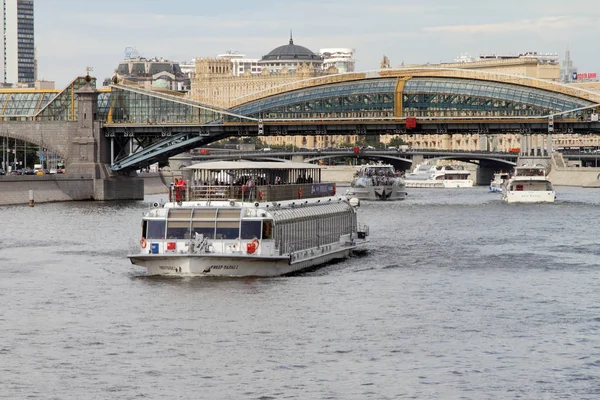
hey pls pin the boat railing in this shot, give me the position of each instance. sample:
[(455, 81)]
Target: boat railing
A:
[(253, 193)]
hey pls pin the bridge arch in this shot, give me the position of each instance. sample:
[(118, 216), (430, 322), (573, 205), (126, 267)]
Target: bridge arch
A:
[(26, 135)]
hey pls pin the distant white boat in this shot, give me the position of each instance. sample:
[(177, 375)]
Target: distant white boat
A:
[(499, 179), (439, 176), (529, 184), (377, 182)]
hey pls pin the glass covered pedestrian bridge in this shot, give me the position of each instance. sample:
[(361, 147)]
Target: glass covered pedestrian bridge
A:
[(418, 97), (384, 96)]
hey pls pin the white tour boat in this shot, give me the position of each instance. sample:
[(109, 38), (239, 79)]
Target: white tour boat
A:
[(498, 181), (439, 176), (529, 184), (239, 218), (377, 182)]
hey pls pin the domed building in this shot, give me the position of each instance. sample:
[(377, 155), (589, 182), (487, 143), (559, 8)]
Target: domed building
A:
[(290, 58), (216, 82)]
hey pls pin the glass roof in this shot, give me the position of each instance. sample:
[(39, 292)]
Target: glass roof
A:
[(542, 99), (24, 104)]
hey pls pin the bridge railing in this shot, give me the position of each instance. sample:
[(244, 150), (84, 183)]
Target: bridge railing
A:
[(256, 193)]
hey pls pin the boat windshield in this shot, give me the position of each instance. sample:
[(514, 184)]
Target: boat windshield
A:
[(529, 171)]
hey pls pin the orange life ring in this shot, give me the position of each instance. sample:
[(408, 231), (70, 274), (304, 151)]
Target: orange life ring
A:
[(252, 246), (299, 192), (143, 243), (260, 196)]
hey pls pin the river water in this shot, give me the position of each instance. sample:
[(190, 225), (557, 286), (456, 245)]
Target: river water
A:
[(460, 297)]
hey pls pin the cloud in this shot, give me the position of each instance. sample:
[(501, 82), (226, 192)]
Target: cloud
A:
[(543, 24)]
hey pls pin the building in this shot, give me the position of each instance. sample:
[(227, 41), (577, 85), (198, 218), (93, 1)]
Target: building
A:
[(568, 73), (529, 64), (290, 57), (241, 65), (188, 68), (153, 73), (340, 58), (18, 49), (221, 80)]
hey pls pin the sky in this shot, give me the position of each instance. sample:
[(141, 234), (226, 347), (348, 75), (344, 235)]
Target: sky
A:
[(74, 34)]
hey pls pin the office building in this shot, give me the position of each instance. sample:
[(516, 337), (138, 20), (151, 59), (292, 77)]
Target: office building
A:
[(18, 51)]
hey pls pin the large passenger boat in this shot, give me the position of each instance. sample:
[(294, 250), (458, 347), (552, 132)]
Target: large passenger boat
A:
[(529, 184), (377, 182), (438, 176), (249, 219)]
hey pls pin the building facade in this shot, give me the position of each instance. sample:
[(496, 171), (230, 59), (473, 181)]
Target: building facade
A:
[(338, 57), (153, 73), (241, 65), (18, 45), (223, 80)]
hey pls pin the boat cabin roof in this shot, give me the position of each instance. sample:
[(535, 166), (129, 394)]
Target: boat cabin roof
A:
[(251, 165)]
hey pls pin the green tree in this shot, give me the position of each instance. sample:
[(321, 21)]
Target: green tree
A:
[(397, 141)]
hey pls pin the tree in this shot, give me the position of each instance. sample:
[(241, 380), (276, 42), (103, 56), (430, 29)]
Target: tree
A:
[(397, 141)]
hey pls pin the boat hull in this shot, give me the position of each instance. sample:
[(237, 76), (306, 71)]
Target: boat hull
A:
[(240, 266), (439, 184), (495, 188), (384, 193), (529, 197)]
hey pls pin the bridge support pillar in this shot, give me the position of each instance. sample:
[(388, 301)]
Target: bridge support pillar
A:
[(89, 156), (416, 160)]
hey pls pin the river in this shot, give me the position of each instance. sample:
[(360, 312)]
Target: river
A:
[(460, 296)]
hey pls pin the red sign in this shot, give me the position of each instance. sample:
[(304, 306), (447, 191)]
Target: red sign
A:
[(586, 75), (411, 123)]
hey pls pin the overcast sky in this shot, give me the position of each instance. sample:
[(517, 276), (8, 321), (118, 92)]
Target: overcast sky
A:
[(74, 34)]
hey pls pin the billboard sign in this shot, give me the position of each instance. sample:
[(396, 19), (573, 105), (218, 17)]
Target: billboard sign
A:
[(585, 75)]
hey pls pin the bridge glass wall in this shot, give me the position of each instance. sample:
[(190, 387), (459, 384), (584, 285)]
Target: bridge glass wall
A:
[(22, 106), (447, 97), (64, 107), (367, 99), (129, 107)]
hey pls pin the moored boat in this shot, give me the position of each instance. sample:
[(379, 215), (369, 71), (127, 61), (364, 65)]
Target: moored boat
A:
[(377, 182), (498, 181), (529, 184), (249, 219), (438, 176)]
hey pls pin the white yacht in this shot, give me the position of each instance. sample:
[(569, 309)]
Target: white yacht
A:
[(439, 176), (238, 218), (498, 181), (529, 184), (377, 182)]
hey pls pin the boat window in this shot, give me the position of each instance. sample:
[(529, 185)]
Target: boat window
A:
[(228, 230), (267, 229), (204, 213), (251, 229), (156, 229), (176, 213), (205, 228), (178, 229), (228, 213)]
